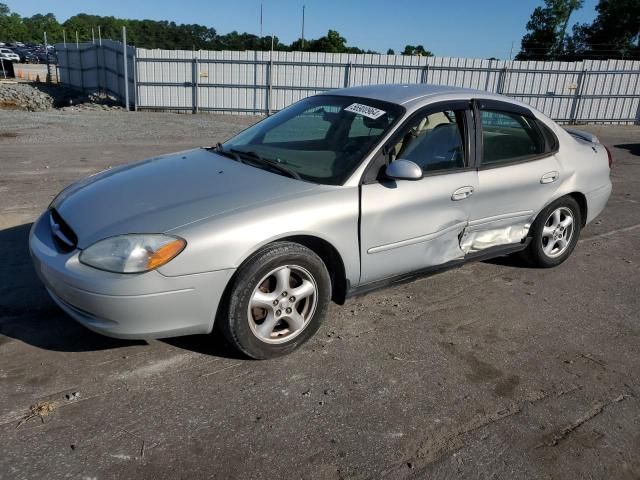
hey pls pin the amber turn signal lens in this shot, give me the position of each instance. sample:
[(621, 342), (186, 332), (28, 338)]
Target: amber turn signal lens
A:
[(165, 253)]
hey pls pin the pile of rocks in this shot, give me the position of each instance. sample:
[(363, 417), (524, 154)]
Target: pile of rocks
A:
[(38, 97)]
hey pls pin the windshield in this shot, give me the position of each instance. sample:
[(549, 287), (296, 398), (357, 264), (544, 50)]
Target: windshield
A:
[(321, 139)]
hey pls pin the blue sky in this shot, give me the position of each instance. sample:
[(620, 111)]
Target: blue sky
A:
[(456, 28)]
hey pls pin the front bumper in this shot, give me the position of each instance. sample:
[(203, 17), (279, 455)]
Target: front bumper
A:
[(133, 306)]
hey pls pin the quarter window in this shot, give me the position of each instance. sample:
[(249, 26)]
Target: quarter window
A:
[(508, 137)]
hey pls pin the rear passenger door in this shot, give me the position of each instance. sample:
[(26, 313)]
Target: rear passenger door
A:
[(518, 174)]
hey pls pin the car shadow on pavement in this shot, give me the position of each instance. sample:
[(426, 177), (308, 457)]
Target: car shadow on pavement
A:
[(634, 148), (513, 261), (214, 344), (28, 314)]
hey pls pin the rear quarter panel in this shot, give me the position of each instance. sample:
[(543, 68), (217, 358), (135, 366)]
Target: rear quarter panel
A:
[(585, 169)]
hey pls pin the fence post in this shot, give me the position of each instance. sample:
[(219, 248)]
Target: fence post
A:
[(576, 98), (194, 85), (134, 62), (125, 70), (270, 83), (68, 72), (489, 72), (501, 80), (95, 49), (79, 52), (347, 75), (425, 74), (46, 54)]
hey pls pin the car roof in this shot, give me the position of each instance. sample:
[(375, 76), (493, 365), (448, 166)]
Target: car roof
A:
[(406, 94)]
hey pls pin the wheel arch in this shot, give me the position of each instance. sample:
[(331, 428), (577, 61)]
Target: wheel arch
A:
[(327, 252), (331, 258), (581, 199)]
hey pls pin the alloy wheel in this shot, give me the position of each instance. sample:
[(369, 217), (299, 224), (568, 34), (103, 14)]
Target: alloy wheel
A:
[(557, 232), (282, 304)]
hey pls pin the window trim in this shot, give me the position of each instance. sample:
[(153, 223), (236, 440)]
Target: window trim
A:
[(371, 173), (551, 145)]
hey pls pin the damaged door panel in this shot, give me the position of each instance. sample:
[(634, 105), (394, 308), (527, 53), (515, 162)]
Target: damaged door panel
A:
[(518, 173), (493, 232), (411, 225)]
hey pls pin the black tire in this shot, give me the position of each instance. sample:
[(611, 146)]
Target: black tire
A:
[(535, 254), (233, 319)]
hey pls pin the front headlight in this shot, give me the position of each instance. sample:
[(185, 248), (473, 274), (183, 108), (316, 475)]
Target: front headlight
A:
[(134, 253)]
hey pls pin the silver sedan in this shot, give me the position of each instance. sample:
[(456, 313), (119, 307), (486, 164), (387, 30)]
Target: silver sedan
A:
[(334, 196)]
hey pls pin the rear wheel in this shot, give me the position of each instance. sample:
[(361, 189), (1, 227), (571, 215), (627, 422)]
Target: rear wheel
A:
[(277, 302), (554, 234)]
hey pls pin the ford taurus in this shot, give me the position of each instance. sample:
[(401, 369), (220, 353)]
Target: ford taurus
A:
[(336, 195)]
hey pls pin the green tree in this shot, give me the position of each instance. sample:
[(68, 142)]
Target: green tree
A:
[(38, 24), (391, 52), (615, 32), (155, 34), (11, 26), (546, 37), (416, 50)]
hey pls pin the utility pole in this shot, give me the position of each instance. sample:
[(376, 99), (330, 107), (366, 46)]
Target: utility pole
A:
[(260, 19), (303, 8)]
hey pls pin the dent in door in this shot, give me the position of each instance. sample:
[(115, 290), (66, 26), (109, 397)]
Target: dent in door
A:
[(413, 254), (499, 230)]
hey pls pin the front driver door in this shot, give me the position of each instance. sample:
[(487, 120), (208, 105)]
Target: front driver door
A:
[(410, 225)]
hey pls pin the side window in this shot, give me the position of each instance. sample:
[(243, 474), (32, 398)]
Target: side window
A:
[(508, 136), (434, 141)]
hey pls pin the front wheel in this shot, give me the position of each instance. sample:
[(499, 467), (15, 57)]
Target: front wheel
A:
[(554, 234), (277, 301)]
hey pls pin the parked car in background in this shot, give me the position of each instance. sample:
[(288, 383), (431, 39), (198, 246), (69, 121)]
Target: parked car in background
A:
[(336, 195), (8, 54), (29, 53), (26, 55)]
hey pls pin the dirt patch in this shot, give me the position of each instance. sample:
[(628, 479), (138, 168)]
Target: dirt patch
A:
[(9, 105), (8, 134)]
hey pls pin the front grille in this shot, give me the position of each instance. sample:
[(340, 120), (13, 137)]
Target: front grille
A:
[(63, 235)]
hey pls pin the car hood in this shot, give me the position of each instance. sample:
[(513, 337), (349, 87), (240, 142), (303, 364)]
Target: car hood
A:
[(166, 192)]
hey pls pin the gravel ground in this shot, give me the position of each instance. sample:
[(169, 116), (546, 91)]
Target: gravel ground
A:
[(488, 371), (39, 97)]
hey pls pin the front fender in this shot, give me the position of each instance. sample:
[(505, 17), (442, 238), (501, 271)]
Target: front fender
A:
[(225, 241)]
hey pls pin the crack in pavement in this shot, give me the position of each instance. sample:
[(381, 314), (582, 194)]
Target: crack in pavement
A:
[(593, 412)]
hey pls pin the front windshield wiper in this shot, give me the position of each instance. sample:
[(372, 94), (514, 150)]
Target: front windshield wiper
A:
[(227, 153), (261, 161)]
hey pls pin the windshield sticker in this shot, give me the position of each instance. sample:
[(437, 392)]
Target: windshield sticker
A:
[(365, 110)]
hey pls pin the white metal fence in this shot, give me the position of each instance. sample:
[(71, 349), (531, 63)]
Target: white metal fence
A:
[(592, 91)]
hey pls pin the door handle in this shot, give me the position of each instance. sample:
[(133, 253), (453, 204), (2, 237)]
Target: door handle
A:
[(550, 177), (462, 193)]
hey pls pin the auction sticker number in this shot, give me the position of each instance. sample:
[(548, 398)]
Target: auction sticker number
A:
[(365, 110)]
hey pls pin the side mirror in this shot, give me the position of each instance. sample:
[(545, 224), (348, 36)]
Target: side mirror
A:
[(403, 170)]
